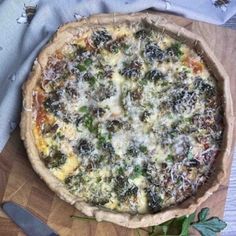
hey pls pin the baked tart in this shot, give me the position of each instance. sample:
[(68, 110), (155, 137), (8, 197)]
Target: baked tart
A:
[(127, 118)]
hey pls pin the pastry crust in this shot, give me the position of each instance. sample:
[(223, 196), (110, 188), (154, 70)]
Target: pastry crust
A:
[(64, 34)]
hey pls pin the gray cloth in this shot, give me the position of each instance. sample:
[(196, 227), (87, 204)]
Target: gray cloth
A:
[(20, 41)]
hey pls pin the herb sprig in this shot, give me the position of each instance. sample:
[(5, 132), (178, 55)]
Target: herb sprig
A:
[(92, 126), (209, 226), (181, 226)]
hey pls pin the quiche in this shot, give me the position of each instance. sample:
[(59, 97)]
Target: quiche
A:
[(125, 117)]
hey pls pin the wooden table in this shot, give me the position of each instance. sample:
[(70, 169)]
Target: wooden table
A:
[(19, 183)]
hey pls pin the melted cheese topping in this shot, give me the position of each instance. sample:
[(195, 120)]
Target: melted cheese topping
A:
[(128, 119)]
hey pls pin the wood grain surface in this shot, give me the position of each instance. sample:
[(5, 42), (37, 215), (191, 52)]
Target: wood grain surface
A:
[(20, 184)]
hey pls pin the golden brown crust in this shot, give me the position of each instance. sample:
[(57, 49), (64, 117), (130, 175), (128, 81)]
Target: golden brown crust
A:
[(65, 33)]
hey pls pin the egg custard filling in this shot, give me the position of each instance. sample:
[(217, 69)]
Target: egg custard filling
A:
[(127, 119)]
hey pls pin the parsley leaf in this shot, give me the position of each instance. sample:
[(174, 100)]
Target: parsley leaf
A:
[(180, 226), (170, 158), (175, 48), (88, 62), (203, 214), (143, 149), (120, 170), (208, 227), (81, 67), (83, 109), (88, 123), (186, 224), (138, 170), (101, 140), (92, 81)]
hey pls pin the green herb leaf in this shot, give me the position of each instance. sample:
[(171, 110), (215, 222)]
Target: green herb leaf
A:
[(143, 149), (186, 224), (81, 67), (170, 158), (100, 75), (88, 122), (164, 83), (210, 227), (92, 81), (88, 62), (101, 140), (120, 170), (203, 214), (176, 49), (180, 226), (171, 227), (138, 170), (83, 109), (142, 82)]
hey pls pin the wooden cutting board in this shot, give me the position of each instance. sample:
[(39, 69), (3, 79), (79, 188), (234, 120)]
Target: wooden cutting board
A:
[(20, 184)]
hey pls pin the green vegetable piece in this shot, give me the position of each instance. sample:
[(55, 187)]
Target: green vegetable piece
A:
[(186, 224), (171, 227), (143, 149), (56, 160), (142, 82), (180, 226), (115, 50), (120, 170), (83, 109), (210, 227), (92, 81), (203, 214), (100, 75), (124, 189), (138, 170), (88, 62), (81, 67), (88, 122), (164, 83), (175, 49), (126, 46), (170, 158), (101, 140)]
